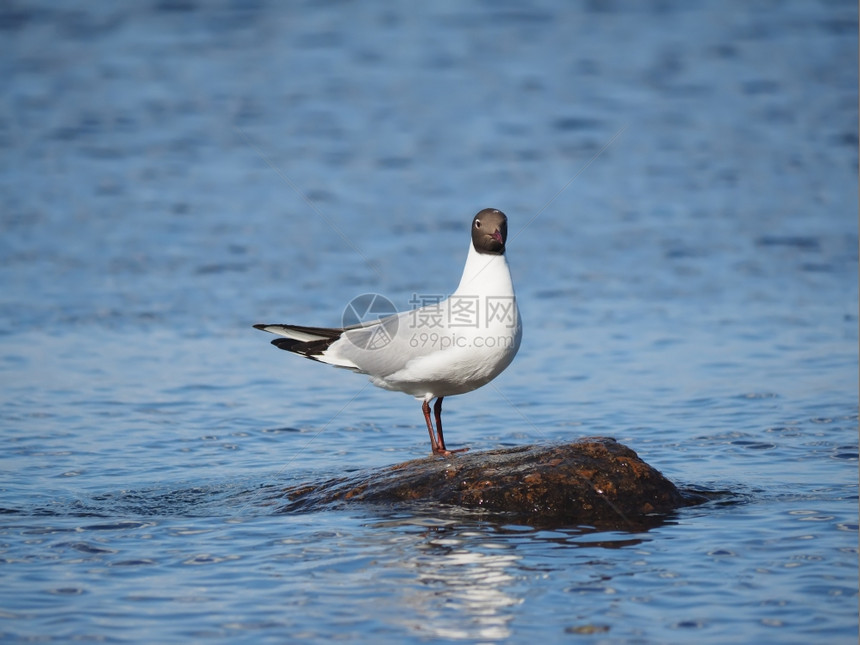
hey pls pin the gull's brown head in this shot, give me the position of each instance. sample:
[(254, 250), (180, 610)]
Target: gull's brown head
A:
[(490, 231)]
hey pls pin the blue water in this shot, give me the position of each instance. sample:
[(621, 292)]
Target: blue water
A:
[(681, 184)]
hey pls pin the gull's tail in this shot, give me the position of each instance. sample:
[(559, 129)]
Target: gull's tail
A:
[(310, 342)]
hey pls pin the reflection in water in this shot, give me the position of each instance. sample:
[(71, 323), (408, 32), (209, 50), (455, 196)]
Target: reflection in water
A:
[(464, 592), (461, 578)]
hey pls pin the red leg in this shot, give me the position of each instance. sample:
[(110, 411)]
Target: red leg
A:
[(440, 448), (437, 412), (425, 408)]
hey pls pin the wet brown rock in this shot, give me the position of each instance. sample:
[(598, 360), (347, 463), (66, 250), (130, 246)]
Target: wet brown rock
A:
[(594, 481)]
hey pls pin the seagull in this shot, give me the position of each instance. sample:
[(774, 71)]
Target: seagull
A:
[(445, 347)]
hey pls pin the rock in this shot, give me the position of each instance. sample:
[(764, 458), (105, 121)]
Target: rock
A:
[(595, 481)]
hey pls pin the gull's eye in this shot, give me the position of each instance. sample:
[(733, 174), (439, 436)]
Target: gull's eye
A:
[(477, 223)]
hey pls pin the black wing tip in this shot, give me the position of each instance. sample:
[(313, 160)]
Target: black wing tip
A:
[(309, 349), (303, 348), (260, 326)]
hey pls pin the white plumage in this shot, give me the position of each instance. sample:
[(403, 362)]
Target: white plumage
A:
[(442, 349)]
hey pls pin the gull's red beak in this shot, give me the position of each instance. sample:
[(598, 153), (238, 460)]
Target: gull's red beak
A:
[(497, 235)]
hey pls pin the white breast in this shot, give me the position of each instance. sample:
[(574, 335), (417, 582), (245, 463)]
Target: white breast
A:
[(451, 347)]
